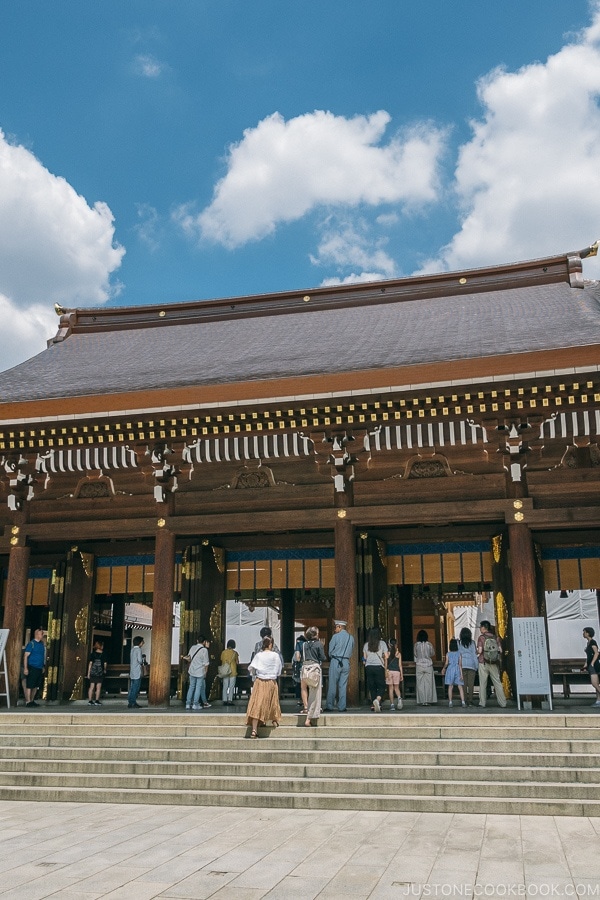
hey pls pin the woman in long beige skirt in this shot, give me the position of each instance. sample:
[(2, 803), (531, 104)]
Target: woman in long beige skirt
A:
[(264, 699)]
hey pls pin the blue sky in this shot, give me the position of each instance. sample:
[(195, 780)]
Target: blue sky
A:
[(166, 151)]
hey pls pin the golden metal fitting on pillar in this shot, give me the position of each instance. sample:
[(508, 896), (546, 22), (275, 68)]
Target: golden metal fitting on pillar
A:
[(161, 523), (518, 504), (341, 513), (15, 529), (519, 516)]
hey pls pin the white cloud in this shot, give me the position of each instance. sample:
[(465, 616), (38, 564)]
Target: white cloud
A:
[(281, 170), (148, 66), (148, 228), (54, 247), (23, 331), (354, 278), (353, 244), (528, 181)]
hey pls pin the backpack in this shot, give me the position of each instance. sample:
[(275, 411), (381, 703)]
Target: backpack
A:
[(97, 667), (491, 654)]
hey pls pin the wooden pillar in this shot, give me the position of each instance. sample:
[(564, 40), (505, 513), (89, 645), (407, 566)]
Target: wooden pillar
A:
[(159, 690), (288, 618), (14, 614), (523, 571), (115, 649), (345, 592)]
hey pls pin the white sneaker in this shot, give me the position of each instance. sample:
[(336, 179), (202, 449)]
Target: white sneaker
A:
[(463, 703), (376, 705), (392, 708), (597, 703), (195, 706), (450, 703), (187, 706), (399, 703)]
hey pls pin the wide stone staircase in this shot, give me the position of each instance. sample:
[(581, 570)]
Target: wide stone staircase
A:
[(536, 763)]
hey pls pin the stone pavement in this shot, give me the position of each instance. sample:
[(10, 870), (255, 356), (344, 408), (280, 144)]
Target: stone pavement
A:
[(135, 852)]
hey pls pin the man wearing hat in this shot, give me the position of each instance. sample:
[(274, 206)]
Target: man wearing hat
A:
[(341, 647)]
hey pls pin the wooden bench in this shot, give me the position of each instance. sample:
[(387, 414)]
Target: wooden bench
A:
[(567, 673)]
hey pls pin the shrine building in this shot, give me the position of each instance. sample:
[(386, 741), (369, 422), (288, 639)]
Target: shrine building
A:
[(382, 453)]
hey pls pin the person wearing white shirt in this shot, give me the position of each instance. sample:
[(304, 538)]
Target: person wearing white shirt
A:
[(264, 706)]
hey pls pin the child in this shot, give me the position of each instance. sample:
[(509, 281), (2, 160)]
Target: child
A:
[(393, 674), (453, 672)]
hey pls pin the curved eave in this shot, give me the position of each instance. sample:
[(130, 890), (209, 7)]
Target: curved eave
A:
[(549, 270)]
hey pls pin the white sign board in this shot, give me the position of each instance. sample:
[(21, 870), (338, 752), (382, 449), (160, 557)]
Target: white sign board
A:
[(531, 656), (3, 639)]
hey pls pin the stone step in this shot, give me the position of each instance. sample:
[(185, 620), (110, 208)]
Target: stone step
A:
[(497, 720), (273, 785), (510, 763), (247, 755), (317, 769), (454, 803), (307, 738)]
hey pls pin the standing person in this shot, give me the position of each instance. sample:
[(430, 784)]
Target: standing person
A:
[(199, 661), (95, 673), (266, 631), (489, 654), (375, 654), (452, 672), (469, 663), (394, 674), (311, 683), (341, 648), (34, 664), (136, 662), (297, 669), (229, 657), (264, 706), (592, 662), (425, 676)]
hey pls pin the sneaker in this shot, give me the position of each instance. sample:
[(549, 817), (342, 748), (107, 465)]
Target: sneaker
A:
[(597, 703), (91, 702), (97, 703), (376, 706), (206, 705), (450, 703), (399, 703), (463, 703), (196, 706), (392, 708), (188, 706)]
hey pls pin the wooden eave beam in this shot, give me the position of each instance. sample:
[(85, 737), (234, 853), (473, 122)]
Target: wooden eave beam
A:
[(498, 512), (164, 403)]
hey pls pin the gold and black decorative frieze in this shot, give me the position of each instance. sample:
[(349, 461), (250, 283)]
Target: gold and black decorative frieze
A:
[(491, 403)]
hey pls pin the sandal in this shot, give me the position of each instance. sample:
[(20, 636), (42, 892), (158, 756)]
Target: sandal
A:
[(253, 734), (303, 712), (275, 724)]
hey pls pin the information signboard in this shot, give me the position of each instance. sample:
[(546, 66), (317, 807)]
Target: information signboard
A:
[(4, 632), (532, 667)]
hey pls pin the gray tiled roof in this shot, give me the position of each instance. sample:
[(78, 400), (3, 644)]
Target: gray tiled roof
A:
[(492, 323)]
